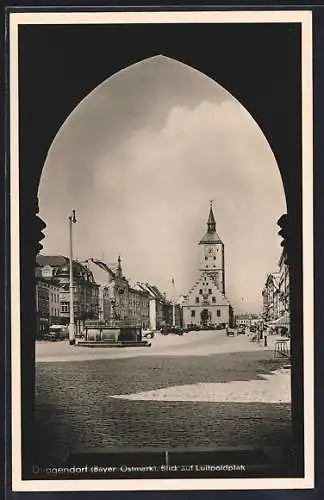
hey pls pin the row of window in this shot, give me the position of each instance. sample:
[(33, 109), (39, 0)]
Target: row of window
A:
[(213, 300), (209, 291), (65, 307), (55, 297), (193, 313), (206, 258)]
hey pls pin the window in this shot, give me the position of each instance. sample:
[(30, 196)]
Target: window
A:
[(218, 313), (65, 307), (209, 291), (193, 314), (197, 300), (214, 300), (206, 258), (215, 257), (200, 291)]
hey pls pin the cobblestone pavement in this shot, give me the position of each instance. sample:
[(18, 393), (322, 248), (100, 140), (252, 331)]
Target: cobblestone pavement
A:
[(75, 410)]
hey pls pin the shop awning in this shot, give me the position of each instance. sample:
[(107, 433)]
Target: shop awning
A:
[(284, 320)]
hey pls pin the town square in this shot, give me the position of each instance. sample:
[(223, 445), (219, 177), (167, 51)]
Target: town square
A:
[(187, 373)]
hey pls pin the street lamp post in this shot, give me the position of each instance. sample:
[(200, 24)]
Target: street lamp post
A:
[(72, 220)]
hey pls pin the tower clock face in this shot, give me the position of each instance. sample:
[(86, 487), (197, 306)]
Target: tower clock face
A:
[(211, 251)]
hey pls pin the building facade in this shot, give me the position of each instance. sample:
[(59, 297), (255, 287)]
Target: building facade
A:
[(276, 297), (42, 306), (56, 268), (206, 303), (271, 296), (246, 320), (284, 305), (47, 303), (54, 303), (162, 312), (118, 300)]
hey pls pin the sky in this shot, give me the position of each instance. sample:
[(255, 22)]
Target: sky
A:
[(140, 158)]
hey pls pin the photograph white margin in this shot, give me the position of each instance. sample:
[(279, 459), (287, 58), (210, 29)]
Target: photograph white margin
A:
[(304, 17)]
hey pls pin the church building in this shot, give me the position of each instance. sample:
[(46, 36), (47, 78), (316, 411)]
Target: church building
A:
[(206, 303)]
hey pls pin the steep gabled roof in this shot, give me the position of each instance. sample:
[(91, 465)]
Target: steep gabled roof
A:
[(152, 290), (210, 238), (109, 268), (51, 260)]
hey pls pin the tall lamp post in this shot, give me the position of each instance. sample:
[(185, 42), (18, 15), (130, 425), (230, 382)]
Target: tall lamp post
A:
[(173, 306), (72, 220)]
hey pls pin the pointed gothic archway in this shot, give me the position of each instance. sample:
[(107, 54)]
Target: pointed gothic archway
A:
[(205, 317)]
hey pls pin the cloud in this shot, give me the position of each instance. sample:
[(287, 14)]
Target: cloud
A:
[(147, 196)]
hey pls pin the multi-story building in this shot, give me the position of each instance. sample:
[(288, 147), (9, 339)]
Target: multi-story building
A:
[(103, 276), (119, 301), (139, 306), (270, 295), (206, 303), (246, 320), (162, 312), (284, 284), (276, 295), (54, 303), (47, 302), (42, 306), (85, 290)]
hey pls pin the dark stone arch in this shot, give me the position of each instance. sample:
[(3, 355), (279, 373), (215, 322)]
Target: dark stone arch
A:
[(59, 65)]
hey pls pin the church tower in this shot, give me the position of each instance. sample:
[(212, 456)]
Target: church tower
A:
[(212, 259), (206, 304)]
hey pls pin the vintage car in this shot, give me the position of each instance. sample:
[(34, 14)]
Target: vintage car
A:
[(57, 332), (148, 334)]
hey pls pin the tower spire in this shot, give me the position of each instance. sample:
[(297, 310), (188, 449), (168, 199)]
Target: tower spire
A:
[(211, 224), (119, 268)]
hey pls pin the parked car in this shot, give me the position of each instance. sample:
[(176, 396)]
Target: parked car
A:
[(172, 329), (147, 334), (57, 332), (50, 336)]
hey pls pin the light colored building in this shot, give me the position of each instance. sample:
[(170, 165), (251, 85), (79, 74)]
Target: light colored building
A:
[(206, 303), (276, 298), (271, 296), (160, 308), (139, 306), (104, 277), (118, 300), (47, 303), (42, 306), (54, 303), (246, 320), (284, 284), (85, 290)]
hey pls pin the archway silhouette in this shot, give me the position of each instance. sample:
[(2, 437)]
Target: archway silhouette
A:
[(116, 92), (34, 150)]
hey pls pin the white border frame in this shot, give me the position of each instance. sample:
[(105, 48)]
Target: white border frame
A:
[(303, 17)]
